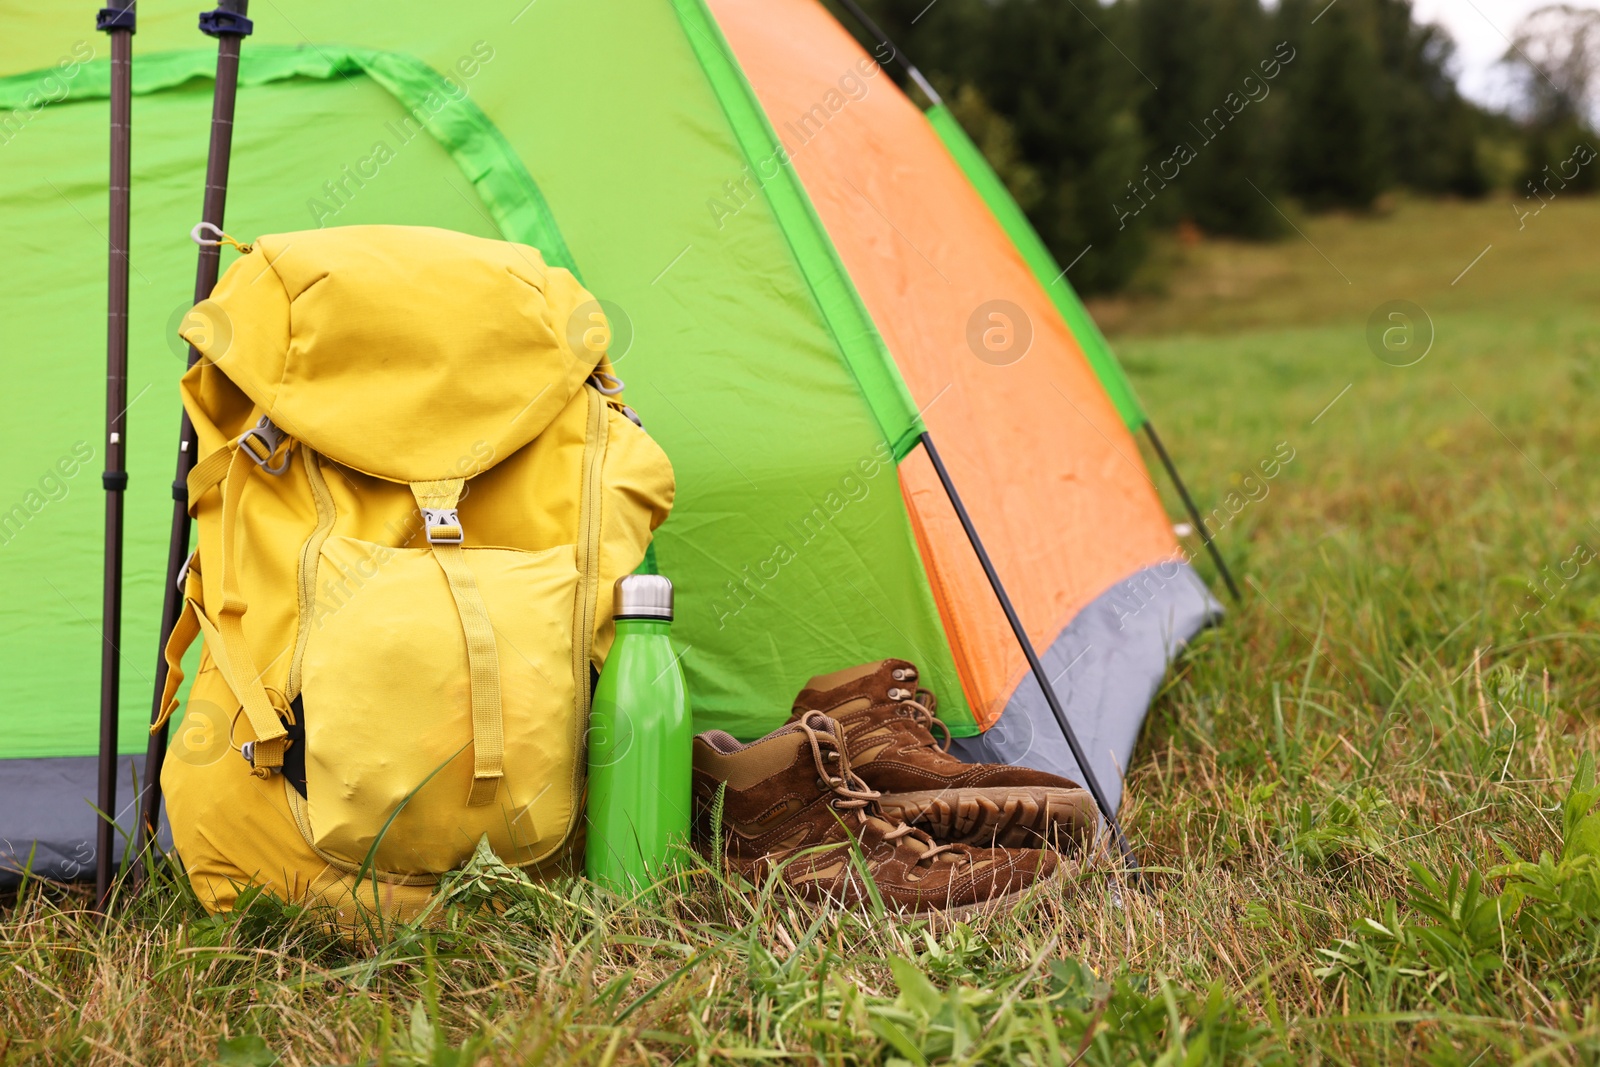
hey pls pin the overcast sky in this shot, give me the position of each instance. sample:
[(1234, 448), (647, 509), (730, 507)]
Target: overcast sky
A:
[(1480, 29)]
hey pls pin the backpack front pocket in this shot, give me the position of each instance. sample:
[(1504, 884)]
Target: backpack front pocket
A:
[(388, 710)]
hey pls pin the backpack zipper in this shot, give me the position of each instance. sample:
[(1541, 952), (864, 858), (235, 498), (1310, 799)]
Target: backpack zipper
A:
[(587, 607), (310, 558)]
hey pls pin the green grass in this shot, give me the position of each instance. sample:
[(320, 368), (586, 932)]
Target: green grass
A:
[(1331, 786)]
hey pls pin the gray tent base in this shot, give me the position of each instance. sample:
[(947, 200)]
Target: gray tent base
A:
[(48, 820), (1106, 667)]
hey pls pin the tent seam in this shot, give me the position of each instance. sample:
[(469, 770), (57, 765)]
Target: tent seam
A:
[(901, 440), (1018, 230), (468, 136)]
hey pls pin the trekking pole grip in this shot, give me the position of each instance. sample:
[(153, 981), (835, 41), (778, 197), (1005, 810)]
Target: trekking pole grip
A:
[(228, 19), (117, 16)]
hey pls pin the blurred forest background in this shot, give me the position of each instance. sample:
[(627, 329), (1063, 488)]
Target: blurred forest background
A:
[(1115, 123)]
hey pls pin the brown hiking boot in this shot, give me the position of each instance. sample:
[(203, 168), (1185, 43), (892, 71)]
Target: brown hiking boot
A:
[(792, 802), (889, 724)]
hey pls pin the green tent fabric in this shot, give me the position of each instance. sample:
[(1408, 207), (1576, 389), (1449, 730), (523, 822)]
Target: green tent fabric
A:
[(462, 129)]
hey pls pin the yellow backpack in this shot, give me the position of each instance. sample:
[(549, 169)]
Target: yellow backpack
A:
[(416, 486)]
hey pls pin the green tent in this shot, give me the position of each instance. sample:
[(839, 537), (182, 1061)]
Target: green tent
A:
[(692, 162)]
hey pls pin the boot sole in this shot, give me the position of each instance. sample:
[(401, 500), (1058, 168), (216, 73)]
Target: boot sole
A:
[(1037, 817), (1055, 883), (1067, 870), (961, 913)]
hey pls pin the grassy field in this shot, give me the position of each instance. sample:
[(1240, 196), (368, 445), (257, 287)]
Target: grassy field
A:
[(1345, 792)]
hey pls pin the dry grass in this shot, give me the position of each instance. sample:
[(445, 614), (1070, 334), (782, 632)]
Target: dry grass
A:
[(1337, 268), (1382, 698)]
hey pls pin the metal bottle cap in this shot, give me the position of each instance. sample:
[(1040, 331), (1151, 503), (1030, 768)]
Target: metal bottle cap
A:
[(643, 596)]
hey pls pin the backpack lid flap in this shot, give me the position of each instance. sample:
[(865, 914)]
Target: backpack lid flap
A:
[(407, 352)]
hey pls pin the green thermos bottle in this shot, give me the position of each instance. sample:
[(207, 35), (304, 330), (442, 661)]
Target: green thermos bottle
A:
[(640, 744)]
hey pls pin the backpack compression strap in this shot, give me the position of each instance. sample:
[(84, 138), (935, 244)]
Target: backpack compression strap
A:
[(261, 440), (442, 525)]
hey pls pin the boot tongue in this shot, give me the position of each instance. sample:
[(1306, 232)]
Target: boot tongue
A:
[(922, 731), (822, 724), (829, 733)]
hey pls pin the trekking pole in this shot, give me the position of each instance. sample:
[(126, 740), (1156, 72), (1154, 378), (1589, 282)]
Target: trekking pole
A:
[(229, 24), (116, 20), (1089, 780)]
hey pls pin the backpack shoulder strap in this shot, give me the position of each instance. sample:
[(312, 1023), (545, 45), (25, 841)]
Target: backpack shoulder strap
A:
[(207, 475)]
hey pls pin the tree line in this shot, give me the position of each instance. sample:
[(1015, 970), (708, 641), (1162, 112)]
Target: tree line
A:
[(1112, 122)]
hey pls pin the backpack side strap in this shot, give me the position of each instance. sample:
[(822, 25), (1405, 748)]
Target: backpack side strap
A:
[(229, 649), (183, 634), (192, 622), (231, 468), (437, 501)]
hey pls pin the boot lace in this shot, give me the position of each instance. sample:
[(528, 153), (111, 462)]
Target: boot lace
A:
[(850, 792), (920, 710)]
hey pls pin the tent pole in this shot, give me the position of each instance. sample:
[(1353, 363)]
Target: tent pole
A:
[(1194, 512), (117, 20), (916, 76), (229, 25), (882, 38), (1034, 665)]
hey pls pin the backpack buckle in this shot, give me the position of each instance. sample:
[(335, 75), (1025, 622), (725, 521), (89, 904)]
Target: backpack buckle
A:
[(248, 751), (443, 526), (261, 441)]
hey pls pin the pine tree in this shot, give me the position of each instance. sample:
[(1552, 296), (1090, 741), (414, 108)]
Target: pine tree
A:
[(1168, 31), (1071, 96), (1212, 109), (1108, 122), (1335, 154), (1431, 131)]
